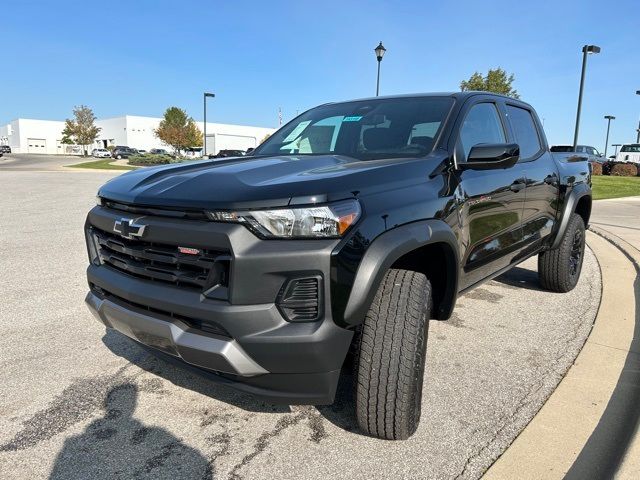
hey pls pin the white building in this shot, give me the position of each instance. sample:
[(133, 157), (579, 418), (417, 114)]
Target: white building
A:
[(45, 136)]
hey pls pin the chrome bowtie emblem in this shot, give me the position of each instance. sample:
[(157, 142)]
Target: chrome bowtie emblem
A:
[(128, 229)]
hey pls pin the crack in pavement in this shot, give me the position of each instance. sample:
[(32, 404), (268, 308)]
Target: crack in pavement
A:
[(264, 440)]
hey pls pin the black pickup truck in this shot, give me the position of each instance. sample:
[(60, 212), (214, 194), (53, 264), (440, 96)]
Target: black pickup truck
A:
[(339, 237)]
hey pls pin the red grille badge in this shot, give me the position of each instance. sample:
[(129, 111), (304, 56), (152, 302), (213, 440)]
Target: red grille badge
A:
[(189, 250)]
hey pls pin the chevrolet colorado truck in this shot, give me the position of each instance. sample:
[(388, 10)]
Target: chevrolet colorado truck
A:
[(339, 237)]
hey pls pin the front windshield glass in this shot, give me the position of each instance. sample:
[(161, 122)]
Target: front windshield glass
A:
[(630, 148), (366, 129)]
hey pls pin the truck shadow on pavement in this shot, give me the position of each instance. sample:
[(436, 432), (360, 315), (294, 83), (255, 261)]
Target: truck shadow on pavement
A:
[(519, 277), (117, 445), (183, 375), (341, 413)]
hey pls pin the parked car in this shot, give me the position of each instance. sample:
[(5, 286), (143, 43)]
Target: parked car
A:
[(123, 152), (629, 153), (591, 153), (100, 153), (142, 152), (228, 153), (158, 151), (347, 231), (5, 149)]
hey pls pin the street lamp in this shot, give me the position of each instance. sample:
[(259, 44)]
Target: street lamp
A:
[(638, 137), (204, 142), (616, 145), (587, 49), (606, 143), (379, 54)]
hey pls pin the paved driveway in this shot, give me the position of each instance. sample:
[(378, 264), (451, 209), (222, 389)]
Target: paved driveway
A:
[(33, 162), (79, 402)]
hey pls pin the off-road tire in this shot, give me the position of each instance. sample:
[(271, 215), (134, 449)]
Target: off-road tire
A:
[(119, 157), (390, 356), (559, 269)]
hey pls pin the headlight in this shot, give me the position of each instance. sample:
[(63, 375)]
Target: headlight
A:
[(324, 221)]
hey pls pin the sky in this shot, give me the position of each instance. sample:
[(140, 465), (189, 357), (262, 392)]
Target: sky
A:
[(140, 57)]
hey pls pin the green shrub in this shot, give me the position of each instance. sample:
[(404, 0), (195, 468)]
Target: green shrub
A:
[(150, 159), (624, 170)]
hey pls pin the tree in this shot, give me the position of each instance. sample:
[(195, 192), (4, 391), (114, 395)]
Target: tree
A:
[(178, 130), (496, 81), (82, 129)]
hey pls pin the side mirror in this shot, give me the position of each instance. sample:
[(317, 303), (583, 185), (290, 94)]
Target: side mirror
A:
[(249, 150), (487, 156)]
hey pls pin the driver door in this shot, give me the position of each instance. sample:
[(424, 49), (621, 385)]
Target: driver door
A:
[(490, 202)]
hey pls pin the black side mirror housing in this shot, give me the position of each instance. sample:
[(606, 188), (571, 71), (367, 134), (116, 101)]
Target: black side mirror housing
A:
[(249, 150), (488, 156)]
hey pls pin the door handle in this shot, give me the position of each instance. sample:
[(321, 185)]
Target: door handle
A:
[(517, 185)]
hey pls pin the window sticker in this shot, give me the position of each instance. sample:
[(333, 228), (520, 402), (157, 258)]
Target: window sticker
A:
[(296, 131), (353, 118)]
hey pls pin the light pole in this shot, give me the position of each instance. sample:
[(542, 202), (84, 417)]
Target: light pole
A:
[(616, 145), (204, 140), (606, 143), (379, 54), (638, 137), (587, 49)]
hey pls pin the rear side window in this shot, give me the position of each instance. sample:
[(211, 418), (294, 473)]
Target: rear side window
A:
[(525, 131), (481, 125)]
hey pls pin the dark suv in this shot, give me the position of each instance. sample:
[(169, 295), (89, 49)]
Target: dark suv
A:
[(347, 230), (5, 149), (123, 152)]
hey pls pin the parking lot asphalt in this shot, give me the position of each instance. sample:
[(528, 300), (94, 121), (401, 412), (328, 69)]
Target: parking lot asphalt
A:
[(79, 402), (26, 162)]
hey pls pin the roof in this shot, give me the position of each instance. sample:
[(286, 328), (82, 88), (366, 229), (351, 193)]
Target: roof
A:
[(458, 95)]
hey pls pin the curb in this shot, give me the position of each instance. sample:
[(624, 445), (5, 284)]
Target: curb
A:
[(587, 427)]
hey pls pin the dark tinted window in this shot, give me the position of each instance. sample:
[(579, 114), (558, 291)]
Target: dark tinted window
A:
[(562, 148), (481, 125), (525, 131), (367, 129), (631, 148)]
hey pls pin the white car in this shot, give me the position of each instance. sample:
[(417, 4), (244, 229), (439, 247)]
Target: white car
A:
[(100, 153), (630, 153)]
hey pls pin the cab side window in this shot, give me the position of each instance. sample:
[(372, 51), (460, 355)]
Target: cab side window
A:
[(525, 131), (481, 125)]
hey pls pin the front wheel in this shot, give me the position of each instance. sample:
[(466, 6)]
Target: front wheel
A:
[(390, 356), (559, 269)]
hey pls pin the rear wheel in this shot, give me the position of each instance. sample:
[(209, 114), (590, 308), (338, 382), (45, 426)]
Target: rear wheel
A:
[(559, 269), (390, 356)]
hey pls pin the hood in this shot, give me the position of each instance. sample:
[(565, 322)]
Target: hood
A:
[(256, 182)]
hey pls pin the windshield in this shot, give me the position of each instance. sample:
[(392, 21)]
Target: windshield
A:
[(367, 129), (631, 148)]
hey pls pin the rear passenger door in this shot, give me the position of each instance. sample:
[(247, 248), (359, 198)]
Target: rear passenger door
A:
[(490, 201), (540, 171)]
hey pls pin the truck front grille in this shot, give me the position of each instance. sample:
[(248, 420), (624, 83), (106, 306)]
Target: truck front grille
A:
[(204, 270)]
